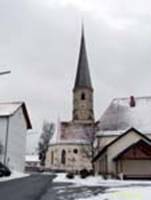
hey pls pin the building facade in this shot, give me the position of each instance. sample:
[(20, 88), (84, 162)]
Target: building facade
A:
[(14, 122), (124, 139)]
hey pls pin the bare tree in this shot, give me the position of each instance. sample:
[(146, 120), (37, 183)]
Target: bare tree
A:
[(1, 148), (43, 145)]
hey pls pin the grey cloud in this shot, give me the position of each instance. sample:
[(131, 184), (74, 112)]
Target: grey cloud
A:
[(39, 40)]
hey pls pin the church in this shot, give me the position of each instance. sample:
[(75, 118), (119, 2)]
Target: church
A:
[(119, 144), (72, 147)]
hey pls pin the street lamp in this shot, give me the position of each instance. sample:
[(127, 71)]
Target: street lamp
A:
[(5, 72)]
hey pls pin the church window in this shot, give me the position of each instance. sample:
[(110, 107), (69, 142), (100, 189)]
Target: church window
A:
[(75, 151), (52, 157), (63, 157), (83, 96)]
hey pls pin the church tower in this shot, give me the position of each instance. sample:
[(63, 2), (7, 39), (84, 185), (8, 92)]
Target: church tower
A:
[(83, 91)]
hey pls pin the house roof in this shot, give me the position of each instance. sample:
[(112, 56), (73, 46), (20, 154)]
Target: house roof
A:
[(32, 158), (9, 109), (83, 78), (121, 115), (117, 139), (70, 132)]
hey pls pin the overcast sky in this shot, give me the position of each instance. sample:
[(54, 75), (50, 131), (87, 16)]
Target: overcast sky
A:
[(39, 42)]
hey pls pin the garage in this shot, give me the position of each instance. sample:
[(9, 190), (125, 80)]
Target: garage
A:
[(135, 161)]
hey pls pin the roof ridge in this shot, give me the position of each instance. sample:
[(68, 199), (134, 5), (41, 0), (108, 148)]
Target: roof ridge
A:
[(12, 102), (136, 97)]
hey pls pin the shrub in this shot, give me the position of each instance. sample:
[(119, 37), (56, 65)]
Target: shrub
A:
[(70, 175), (84, 173)]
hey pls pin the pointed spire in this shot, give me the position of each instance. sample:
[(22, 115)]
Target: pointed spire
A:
[(83, 78)]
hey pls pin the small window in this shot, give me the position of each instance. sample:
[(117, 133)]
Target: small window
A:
[(75, 151), (83, 96), (52, 157), (63, 157)]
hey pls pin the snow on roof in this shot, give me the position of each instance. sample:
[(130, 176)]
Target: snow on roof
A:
[(32, 158), (72, 142), (120, 116), (109, 133), (8, 109), (70, 132)]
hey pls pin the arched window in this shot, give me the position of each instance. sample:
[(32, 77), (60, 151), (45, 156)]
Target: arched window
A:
[(52, 157), (83, 96), (63, 157)]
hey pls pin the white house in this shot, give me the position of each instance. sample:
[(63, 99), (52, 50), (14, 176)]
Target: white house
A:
[(124, 139), (14, 123)]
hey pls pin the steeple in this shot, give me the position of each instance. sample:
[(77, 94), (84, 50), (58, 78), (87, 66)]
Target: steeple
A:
[(83, 79), (83, 91)]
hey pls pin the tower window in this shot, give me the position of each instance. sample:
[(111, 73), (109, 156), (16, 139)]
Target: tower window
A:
[(83, 96), (75, 151)]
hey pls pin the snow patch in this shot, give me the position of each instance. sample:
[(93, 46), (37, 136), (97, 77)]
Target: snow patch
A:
[(89, 181), (99, 181), (14, 175), (115, 189), (138, 193)]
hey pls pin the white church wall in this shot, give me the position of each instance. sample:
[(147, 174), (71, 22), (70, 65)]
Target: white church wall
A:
[(74, 161)]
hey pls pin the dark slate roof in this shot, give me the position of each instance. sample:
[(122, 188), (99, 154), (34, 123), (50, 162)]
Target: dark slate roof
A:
[(83, 78), (120, 115)]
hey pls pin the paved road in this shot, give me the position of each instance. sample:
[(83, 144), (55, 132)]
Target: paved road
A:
[(41, 187), (65, 191), (29, 188)]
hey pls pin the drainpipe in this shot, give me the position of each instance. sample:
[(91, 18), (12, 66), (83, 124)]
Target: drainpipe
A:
[(6, 141)]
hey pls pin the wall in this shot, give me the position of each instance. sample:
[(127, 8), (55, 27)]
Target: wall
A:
[(17, 141), (3, 131), (119, 146), (101, 165), (73, 161), (102, 141), (83, 109)]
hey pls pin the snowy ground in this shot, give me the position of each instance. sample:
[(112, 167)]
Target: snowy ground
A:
[(114, 189), (14, 175), (133, 193)]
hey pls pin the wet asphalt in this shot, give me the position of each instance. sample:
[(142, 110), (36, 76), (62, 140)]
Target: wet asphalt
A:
[(29, 188), (41, 187)]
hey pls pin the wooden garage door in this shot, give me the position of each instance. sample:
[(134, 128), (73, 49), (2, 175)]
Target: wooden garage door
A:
[(137, 167)]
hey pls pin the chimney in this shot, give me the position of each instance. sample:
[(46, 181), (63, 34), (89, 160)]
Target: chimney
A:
[(132, 101)]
